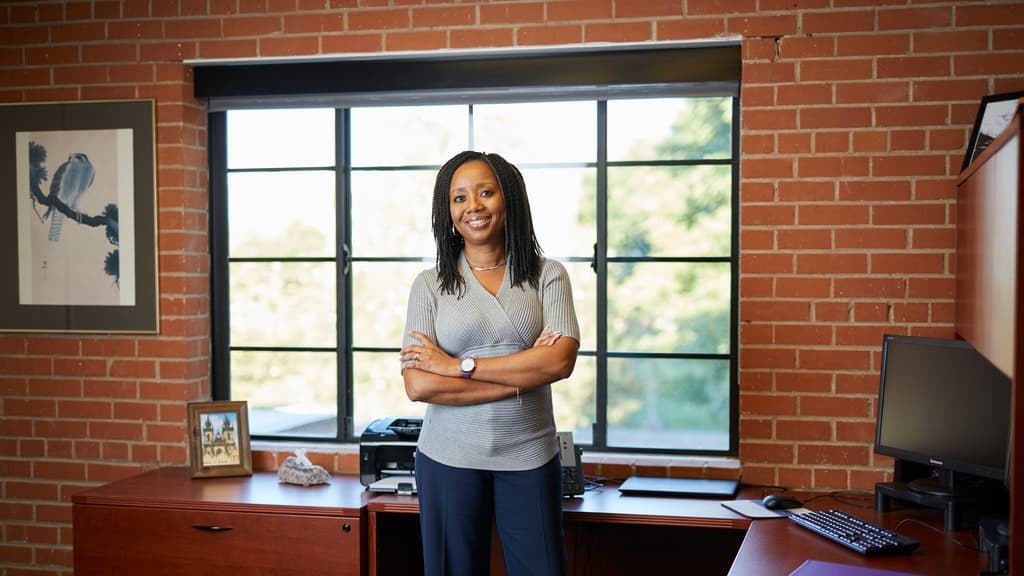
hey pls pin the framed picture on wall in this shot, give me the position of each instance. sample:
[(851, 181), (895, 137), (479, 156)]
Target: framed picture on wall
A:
[(994, 115), (78, 234), (218, 439)]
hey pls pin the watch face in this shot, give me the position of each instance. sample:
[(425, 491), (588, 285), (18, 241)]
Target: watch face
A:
[(468, 364)]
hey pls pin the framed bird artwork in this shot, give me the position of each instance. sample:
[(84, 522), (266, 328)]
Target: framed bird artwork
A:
[(79, 242)]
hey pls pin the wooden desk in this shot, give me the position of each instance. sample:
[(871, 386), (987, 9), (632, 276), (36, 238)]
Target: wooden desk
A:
[(163, 522), (776, 547), (610, 534)]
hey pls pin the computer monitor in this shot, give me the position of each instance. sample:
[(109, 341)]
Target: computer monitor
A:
[(943, 405)]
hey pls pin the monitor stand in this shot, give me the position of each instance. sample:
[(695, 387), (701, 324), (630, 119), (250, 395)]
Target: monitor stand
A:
[(949, 485), (994, 538), (957, 496)]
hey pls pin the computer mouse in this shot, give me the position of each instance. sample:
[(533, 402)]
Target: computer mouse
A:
[(780, 502)]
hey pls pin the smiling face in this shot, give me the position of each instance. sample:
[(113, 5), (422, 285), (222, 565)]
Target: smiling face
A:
[(477, 205)]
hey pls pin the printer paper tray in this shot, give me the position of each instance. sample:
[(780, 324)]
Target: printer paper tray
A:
[(390, 483)]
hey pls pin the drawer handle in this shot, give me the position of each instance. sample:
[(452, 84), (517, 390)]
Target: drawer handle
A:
[(206, 528)]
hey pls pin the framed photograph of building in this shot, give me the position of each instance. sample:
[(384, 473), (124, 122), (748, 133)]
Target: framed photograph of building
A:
[(218, 435), (994, 115), (78, 233)]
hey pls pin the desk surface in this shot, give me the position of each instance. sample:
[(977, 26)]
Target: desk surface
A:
[(771, 547), (776, 547), (607, 505), (260, 492)]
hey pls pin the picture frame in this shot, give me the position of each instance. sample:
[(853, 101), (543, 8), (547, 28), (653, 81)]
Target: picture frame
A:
[(994, 115), (79, 236), (218, 439)]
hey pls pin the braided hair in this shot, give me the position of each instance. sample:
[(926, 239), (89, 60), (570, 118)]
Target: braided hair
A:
[(521, 246)]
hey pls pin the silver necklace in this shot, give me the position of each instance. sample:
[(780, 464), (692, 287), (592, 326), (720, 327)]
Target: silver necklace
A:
[(487, 268)]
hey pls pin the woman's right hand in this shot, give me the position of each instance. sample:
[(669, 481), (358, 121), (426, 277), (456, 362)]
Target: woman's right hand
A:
[(429, 357)]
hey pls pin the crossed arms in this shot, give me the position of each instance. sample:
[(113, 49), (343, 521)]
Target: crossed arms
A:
[(434, 376)]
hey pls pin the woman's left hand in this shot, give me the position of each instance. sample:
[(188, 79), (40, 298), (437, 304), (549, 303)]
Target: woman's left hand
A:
[(547, 337), (429, 357)]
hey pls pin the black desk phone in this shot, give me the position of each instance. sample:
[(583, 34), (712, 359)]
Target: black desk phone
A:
[(572, 465)]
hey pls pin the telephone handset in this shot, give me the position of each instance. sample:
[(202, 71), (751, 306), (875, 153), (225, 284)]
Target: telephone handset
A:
[(572, 465)]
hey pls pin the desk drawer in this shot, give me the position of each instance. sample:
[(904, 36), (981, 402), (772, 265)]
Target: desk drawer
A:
[(126, 540)]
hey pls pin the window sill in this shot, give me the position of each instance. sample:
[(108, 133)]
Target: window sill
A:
[(344, 459)]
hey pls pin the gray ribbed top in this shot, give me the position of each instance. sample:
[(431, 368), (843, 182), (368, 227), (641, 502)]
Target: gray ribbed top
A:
[(509, 434)]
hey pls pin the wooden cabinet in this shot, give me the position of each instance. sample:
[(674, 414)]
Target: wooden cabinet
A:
[(990, 285), (164, 522)]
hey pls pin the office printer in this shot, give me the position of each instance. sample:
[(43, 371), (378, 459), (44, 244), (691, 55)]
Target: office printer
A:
[(387, 448)]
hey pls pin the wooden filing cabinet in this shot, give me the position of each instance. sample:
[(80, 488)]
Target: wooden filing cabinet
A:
[(163, 522)]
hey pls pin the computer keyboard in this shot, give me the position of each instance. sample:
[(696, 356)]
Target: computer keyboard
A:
[(854, 533)]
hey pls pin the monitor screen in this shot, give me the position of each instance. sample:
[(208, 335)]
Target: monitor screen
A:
[(942, 404)]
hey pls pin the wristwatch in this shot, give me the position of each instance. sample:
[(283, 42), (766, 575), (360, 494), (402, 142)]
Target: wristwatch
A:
[(467, 364)]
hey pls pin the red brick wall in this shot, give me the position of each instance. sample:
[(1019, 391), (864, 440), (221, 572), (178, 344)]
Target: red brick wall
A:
[(855, 115)]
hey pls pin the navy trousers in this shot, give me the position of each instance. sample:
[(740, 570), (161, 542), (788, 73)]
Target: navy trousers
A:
[(458, 506)]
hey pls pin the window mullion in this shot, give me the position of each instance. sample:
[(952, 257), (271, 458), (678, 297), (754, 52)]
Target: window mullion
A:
[(600, 426), (343, 267)]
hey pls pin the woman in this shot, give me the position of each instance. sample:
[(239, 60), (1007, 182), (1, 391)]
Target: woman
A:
[(488, 330)]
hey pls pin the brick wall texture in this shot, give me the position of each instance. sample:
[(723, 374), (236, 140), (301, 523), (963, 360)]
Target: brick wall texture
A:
[(855, 117)]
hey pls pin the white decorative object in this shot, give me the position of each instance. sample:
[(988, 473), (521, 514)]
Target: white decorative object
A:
[(299, 470)]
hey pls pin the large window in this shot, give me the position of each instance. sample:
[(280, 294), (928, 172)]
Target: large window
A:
[(320, 220)]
